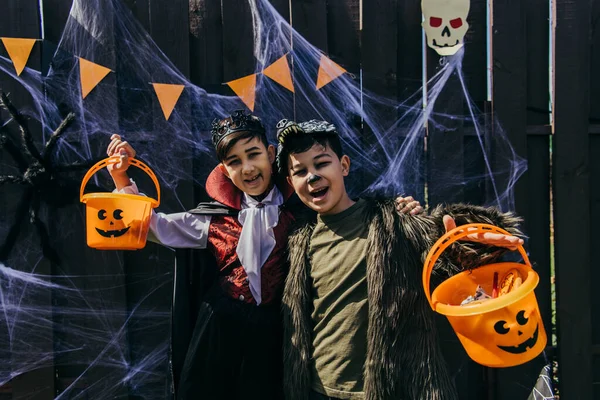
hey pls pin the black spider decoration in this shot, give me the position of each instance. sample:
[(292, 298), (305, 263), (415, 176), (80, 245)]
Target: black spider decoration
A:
[(43, 179)]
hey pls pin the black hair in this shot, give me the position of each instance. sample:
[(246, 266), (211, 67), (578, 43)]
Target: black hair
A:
[(297, 138), (227, 143), (238, 126)]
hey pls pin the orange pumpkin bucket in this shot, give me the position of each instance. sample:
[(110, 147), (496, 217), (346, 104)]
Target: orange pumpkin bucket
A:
[(498, 332), (117, 221)]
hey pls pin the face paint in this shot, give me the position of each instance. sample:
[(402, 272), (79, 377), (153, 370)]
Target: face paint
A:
[(313, 178)]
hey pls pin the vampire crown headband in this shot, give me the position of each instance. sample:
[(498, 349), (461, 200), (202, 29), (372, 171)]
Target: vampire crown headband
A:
[(238, 121), (286, 128)]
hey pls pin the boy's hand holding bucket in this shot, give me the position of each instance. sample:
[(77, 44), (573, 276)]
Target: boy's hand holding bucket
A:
[(488, 237), (118, 169)]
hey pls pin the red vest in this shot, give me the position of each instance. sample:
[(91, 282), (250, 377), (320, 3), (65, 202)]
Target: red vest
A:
[(223, 238)]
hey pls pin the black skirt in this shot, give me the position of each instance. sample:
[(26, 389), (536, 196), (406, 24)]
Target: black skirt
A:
[(235, 352)]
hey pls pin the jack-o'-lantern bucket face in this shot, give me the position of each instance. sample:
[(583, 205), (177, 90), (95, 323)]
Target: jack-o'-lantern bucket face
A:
[(510, 335), (116, 221), (112, 224), (498, 332), (519, 334)]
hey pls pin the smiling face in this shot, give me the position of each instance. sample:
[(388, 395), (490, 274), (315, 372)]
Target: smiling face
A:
[(249, 165), (111, 223), (518, 335), (317, 176)]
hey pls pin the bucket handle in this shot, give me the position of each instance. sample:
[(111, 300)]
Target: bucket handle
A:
[(448, 239), (111, 160)]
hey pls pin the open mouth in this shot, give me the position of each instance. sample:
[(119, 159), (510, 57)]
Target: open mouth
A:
[(252, 180), (446, 45), (319, 193), (522, 348), (113, 233)]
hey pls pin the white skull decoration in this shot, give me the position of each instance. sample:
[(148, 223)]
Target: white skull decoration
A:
[(445, 23)]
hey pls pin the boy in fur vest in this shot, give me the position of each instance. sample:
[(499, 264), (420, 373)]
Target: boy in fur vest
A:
[(356, 321)]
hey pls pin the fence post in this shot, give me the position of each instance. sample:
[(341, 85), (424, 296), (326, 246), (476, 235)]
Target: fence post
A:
[(572, 197)]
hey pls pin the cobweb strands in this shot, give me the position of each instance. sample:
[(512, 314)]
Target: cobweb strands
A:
[(104, 326)]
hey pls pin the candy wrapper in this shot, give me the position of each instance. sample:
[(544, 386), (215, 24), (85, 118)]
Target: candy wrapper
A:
[(480, 295)]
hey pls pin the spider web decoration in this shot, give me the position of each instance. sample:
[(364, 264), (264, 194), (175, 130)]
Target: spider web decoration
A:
[(45, 181), (98, 323), (543, 386)]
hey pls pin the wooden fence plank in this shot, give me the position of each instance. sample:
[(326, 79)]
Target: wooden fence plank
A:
[(206, 71), (21, 19), (56, 14), (571, 180), (409, 78), (594, 118), (475, 61), (510, 107), (344, 46), (76, 372), (379, 64), (594, 265), (309, 19), (410, 46), (445, 172), (445, 168), (274, 102), (538, 44), (238, 45), (456, 170), (475, 73), (206, 45), (343, 33), (537, 223), (283, 7), (595, 62), (168, 25)]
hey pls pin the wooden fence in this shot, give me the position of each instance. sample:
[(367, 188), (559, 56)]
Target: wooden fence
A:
[(210, 42)]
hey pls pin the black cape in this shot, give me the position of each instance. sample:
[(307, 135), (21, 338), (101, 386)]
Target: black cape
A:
[(195, 273)]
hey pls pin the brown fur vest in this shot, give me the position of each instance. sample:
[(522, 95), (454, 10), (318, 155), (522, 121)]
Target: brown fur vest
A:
[(404, 360)]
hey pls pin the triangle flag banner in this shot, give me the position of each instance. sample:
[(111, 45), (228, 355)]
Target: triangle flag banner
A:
[(167, 94), (279, 71), (328, 71), (19, 51), (245, 88), (90, 75)]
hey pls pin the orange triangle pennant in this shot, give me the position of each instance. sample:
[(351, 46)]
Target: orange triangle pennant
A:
[(328, 71), (279, 71), (245, 88), (90, 75), (19, 51), (167, 94)]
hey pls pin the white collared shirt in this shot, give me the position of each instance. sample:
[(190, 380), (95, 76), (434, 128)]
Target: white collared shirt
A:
[(256, 242)]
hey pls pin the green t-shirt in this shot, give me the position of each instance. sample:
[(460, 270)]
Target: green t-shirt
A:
[(338, 271)]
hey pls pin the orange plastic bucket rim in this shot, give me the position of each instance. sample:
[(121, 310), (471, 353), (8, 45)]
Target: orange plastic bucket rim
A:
[(446, 241)]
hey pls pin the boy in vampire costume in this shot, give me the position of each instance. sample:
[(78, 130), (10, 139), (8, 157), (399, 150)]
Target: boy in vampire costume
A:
[(227, 334), (356, 321), (231, 264)]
